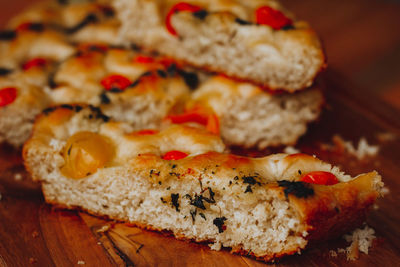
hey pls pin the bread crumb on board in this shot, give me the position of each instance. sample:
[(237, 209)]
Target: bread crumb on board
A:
[(17, 177), (103, 229), (81, 263), (385, 137), (332, 253), (361, 241), (361, 151)]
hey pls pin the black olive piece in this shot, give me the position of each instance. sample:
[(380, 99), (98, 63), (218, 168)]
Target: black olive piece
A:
[(201, 14), (108, 11), (115, 90), (7, 35), (171, 70), (104, 99), (242, 22), (67, 106), (91, 18), (4, 71), (50, 80), (162, 73), (288, 27), (190, 78), (36, 27), (47, 111)]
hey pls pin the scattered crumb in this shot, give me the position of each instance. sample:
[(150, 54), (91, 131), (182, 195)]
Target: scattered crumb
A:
[(32, 260), (81, 263), (104, 228), (0, 196), (35, 234), (17, 177), (291, 150), (98, 243), (385, 137), (362, 150), (332, 253), (385, 190), (375, 207), (361, 241)]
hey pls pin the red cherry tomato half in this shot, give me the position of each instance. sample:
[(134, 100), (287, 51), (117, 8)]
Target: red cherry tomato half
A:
[(268, 16), (92, 47), (175, 155), (115, 82), (189, 117), (177, 8), (210, 121), (213, 124), (320, 177), (7, 96), (143, 59), (147, 132), (36, 62)]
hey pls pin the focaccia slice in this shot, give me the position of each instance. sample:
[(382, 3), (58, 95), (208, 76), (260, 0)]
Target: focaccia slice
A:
[(179, 180), (255, 40), (252, 117)]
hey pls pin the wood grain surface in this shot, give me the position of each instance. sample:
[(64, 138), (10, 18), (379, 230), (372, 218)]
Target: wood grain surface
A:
[(34, 233)]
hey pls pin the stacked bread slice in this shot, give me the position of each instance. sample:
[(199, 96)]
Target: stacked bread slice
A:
[(254, 40), (261, 50)]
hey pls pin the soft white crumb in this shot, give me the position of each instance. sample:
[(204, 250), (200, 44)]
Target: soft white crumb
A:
[(56, 144), (81, 263), (291, 150), (215, 246), (98, 243), (17, 177)]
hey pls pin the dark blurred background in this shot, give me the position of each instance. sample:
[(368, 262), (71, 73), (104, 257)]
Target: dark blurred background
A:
[(361, 37)]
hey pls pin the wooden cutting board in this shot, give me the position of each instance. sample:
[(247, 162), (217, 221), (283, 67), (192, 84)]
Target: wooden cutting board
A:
[(34, 233)]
